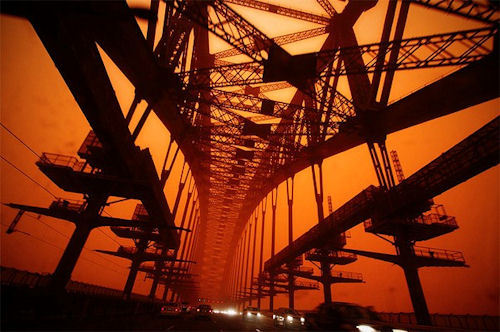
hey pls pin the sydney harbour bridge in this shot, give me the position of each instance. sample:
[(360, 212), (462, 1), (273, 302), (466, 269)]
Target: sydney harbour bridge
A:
[(239, 145)]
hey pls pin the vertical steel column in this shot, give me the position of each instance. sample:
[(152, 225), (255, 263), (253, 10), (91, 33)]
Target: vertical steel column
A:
[(325, 266), (248, 261), (386, 32), (274, 201), (227, 284), (387, 165), (182, 182), (183, 219), (67, 263), (194, 242), (291, 280), (238, 272), (187, 236), (235, 270), (153, 19), (141, 246), (165, 171), (167, 20), (405, 251), (403, 246), (190, 245), (376, 165), (191, 236), (398, 35), (183, 264), (253, 254), (259, 291), (242, 267)]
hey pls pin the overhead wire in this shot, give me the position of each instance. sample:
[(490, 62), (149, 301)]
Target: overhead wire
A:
[(109, 215), (36, 182), (62, 249), (26, 175), (67, 237), (53, 194), (20, 140)]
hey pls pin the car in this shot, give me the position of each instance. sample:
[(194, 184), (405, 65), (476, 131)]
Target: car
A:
[(340, 316), (288, 318), (251, 313), (170, 309), (185, 307), (203, 311)]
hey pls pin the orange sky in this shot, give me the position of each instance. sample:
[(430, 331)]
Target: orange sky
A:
[(38, 107)]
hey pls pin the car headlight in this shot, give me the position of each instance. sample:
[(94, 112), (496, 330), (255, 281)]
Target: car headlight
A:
[(365, 328), (302, 319), (289, 318), (258, 314), (281, 318)]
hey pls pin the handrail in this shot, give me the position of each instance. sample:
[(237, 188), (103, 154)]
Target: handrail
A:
[(63, 161), (347, 275), (437, 216), (68, 204), (450, 255), (140, 213), (329, 252)]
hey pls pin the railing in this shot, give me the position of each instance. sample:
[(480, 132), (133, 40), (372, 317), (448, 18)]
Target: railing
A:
[(467, 322), (443, 254), (11, 277), (63, 161), (437, 216), (347, 275), (149, 251), (90, 141), (433, 218), (68, 204), (140, 213), (313, 285), (355, 208), (330, 253), (368, 223), (306, 269), (128, 250)]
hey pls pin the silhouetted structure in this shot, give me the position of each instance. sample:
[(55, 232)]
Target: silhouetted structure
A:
[(240, 145)]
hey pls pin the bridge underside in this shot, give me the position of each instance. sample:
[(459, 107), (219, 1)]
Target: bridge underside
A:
[(238, 144)]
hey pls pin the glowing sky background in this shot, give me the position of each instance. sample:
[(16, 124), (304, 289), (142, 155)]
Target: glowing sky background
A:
[(38, 107)]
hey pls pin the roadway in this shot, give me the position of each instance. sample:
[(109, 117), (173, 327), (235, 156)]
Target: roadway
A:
[(147, 322), (183, 322), (217, 322)]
